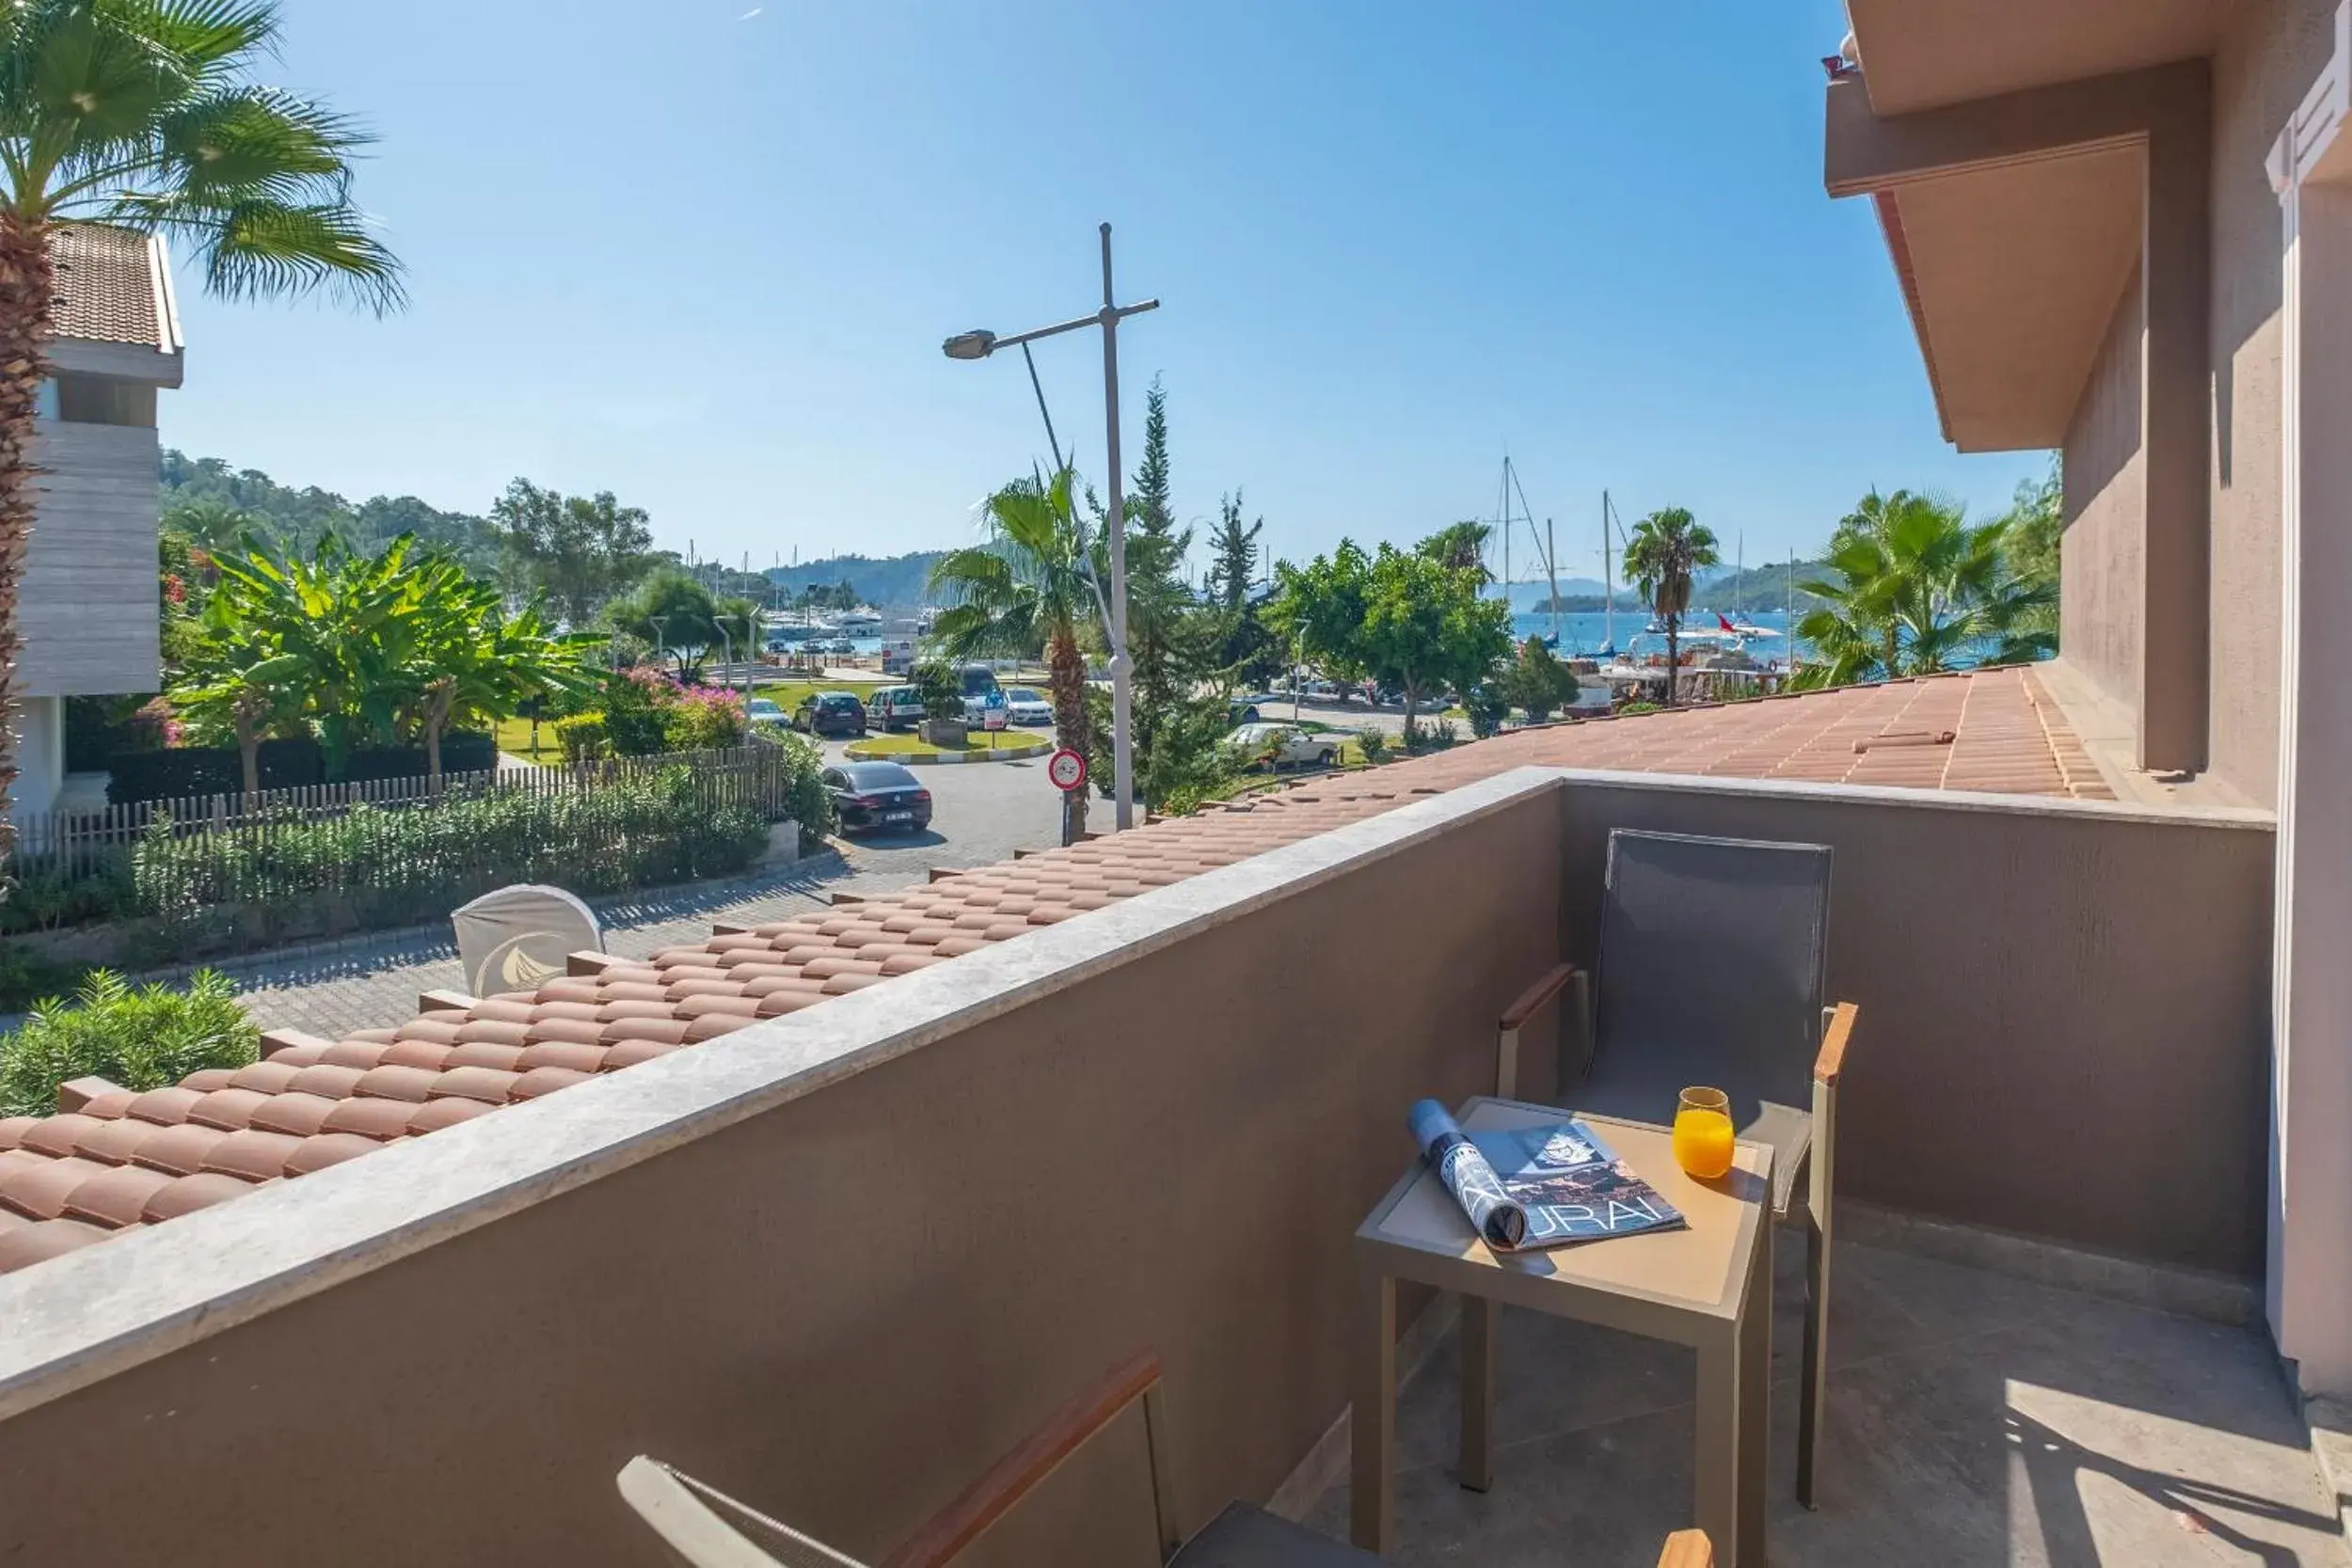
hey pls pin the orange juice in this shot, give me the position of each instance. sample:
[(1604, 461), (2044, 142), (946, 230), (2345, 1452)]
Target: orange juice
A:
[(1702, 1142)]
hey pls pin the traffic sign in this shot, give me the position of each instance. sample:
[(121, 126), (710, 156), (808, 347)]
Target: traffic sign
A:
[(1067, 769)]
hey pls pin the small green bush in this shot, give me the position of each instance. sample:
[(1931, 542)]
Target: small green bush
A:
[(1629, 710), (942, 691), (637, 705), (1376, 747), (582, 737), (141, 1038), (1487, 708), (47, 900), (807, 800)]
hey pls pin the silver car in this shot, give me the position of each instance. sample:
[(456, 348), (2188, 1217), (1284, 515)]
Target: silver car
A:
[(1282, 745), (1025, 705)]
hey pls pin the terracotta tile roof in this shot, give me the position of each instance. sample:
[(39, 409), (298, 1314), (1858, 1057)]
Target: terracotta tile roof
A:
[(106, 286), (126, 1158)]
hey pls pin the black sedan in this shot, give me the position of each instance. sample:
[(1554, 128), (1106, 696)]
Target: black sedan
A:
[(830, 713), (878, 795)]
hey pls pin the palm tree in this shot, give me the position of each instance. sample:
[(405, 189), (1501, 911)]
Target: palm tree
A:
[(1917, 587), (1028, 590), (1662, 556), (143, 114), (1462, 546)]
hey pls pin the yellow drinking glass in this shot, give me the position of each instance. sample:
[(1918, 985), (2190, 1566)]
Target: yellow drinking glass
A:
[(1703, 1133)]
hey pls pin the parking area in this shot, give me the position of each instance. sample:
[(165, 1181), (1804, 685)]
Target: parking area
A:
[(981, 814)]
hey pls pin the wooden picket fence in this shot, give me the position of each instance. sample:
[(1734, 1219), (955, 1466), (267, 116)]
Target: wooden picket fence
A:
[(71, 845)]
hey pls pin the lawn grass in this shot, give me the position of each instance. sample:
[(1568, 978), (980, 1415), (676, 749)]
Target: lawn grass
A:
[(513, 739), (788, 694)]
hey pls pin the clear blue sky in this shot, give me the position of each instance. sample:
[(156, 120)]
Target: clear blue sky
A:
[(706, 261)]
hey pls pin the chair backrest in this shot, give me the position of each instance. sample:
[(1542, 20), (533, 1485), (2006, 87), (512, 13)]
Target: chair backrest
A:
[(704, 1528), (1115, 1508), (516, 938), (1710, 964)]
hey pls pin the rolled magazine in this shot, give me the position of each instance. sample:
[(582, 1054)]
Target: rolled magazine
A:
[(1467, 1175)]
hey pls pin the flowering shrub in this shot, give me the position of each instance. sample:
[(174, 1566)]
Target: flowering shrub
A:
[(704, 720), (647, 711)]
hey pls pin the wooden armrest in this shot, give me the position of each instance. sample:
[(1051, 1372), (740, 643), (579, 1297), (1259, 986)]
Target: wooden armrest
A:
[(1687, 1548), (1838, 1025), (948, 1532), (1536, 995)]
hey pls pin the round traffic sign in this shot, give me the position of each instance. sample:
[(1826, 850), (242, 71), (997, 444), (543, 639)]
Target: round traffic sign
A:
[(1067, 769)]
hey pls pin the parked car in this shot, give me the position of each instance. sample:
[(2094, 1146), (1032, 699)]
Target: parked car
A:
[(1025, 705), (831, 713), (895, 706), (1248, 710), (763, 712), (979, 685), (1282, 745), (877, 795)]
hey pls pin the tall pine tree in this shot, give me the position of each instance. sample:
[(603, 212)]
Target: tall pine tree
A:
[(1234, 548)]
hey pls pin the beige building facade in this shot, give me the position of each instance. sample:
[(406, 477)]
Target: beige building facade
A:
[(2120, 232)]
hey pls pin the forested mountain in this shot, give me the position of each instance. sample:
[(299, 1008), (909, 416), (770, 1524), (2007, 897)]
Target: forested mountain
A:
[(894, 580), (204, 496)]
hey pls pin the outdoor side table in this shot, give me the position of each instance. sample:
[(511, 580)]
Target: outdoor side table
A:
[(1708, 1286)]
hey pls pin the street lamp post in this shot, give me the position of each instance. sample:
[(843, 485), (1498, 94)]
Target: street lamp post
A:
[(980, 345)]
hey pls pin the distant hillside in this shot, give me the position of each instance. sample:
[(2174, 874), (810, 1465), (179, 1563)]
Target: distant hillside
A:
[(1759, 587), (896, 581), (209, 488), (1716, 589)]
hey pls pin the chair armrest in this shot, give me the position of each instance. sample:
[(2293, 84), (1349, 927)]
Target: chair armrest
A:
[(1535, 996), (1836, 1024), (939, 1538), (1687, 1548)]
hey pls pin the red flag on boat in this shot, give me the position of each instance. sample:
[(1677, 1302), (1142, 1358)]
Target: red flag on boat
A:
[(1722, 622)]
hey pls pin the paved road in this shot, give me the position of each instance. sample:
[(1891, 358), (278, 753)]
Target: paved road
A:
[(1355, 716), (981, 813)]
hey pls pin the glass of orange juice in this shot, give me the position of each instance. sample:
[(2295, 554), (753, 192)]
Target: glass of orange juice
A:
[(1703, 1133)]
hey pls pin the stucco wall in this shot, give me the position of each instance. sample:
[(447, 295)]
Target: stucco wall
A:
[(843, 1310), (2103, 553), (2259, 75)]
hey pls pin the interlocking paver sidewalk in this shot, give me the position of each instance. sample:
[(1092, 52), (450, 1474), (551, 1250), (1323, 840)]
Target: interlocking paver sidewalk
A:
[(374, 982)]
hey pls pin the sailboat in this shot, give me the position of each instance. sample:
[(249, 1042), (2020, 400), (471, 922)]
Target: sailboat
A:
[(1544, 545)]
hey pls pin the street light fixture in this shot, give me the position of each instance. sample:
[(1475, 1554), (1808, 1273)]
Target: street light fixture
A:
[(979, 344)]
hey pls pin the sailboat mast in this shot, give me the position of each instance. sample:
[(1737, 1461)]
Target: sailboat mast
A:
[(1608, 582), (1552, 575), (1506, 529), (1789, 629)]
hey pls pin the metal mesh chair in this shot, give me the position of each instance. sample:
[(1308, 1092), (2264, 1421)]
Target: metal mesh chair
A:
[(704, 1528), (1710, 971)]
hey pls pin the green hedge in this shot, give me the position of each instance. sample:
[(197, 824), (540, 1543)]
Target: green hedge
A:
[(409, 863), (184, 771)]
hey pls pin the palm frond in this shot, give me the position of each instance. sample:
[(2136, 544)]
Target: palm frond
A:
[(263, 247)]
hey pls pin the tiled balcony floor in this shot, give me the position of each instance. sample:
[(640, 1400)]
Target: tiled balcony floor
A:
[(1974, 1422)]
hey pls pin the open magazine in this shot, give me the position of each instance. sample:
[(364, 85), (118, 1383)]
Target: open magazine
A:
[(1551, 1185)]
